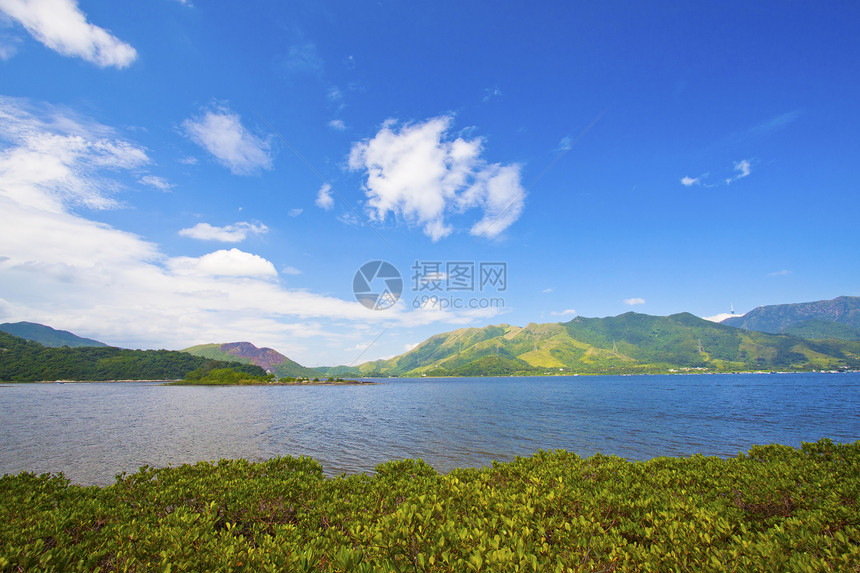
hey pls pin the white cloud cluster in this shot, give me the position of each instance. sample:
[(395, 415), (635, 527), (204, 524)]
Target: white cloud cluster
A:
[(60, 156), (566, 312), (687, 181), (566, 144), (220, 132), (421, 174), (634, 301), (223, 263), (324, 199), (158, 182), (234, 233), (59, 268), (61, 26), (720, 317), (742, 168)]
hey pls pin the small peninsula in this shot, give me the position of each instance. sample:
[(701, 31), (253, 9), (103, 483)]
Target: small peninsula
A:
[(231, 377)]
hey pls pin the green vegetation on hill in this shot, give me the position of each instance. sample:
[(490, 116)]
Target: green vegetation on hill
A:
[(836, 318), (222, 377), (25, 361), (47, 336), (776, 508), (821, 329), (628, 343)]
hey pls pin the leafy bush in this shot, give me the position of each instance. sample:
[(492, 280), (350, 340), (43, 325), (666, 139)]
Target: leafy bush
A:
[(775, 508), (222, 377)]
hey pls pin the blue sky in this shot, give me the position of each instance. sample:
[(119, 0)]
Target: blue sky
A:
[(175, 173)]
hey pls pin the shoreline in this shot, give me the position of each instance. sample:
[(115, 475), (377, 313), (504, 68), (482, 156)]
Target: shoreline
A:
[(375, 379)]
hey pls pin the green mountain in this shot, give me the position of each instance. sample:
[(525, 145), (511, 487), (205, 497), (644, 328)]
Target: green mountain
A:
[(628, 343), (27, 361), (47, 336), (246, 353), (838, 318)]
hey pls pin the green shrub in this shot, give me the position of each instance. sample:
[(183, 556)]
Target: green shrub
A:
[(775, 508)]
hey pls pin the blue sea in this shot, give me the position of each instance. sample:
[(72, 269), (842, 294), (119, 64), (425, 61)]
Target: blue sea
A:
[(93, 431)]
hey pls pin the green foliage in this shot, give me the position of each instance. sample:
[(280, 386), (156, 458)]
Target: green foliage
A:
[(492, 366), (25, 361), (231, 377), (775, 508), (222, 377), (822, 329)]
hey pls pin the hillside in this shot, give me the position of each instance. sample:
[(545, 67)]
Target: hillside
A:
[(266, 358), (837, 318), (26, 361), (47, 336), (628, 343)]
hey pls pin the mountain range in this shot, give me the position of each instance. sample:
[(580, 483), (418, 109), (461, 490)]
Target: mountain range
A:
[(628, 343), (804, 336), (47, 336), (837, 318)]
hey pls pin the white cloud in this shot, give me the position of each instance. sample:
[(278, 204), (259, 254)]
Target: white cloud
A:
[(8, 41), (566, 144), (304, 58), (547, 290), (781, 273), (60, 156), (324, 198), (7, 51), (501, 196), (157, 182), (634, 301), (188, 160), (490, 93), (295, 212), (291, 271), (61, 26), (334, 94), (689, 181), (773, 124), (720, 317), (234, 233), (565, 312), (743, 169), (223, 263), (350, 219), (410, 345), (421, 174), (337, 124), (222, 134)]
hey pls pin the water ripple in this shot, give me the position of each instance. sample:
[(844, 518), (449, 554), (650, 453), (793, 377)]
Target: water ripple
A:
[(93, 431)]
